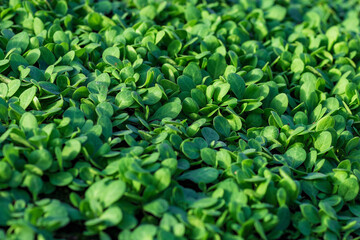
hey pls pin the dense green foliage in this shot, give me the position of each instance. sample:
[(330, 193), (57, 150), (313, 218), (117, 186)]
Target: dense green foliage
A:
[(174, 120)]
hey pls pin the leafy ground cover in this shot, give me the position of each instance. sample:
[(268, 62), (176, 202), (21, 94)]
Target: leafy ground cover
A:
[(173, 120)]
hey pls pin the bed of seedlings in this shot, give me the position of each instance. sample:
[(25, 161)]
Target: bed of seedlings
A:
[(175, 120)]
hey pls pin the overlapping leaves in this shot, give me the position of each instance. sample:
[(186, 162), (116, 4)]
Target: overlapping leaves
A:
[(179, 120)]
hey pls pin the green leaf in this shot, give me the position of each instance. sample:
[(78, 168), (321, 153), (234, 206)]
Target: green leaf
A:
[(280, 103), (111, 51), (157, 207), (19, 42), (76, 116), (190, 106), (276, 12), (349, 189), (13, 86), (41, 158), (104, 109), (216, 65), (201, 175), (190, 150), (16, 60), (204, 203), (152, 95), (253, 76), (168, 110), (71, 149), (192, 70), (221, 91), (61, 178), (50, 88), (174, 48), (124, 99), (323, 141), (325, 123), (237, 85), (28, 122), (144, 232), (192, 13), (106, 126), (210, 134), (162, 178), (222, 126), (332, 35), (26, 97), (33, 56), (61, 7), (148, 12), (310, 213), (103, 191), (112, 216), (270, 132), (304, 227), (295, 156), (5, 172), (185, 83), (33, 183), (38, 25), (297, 66), (95, 20), (208, 155)]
